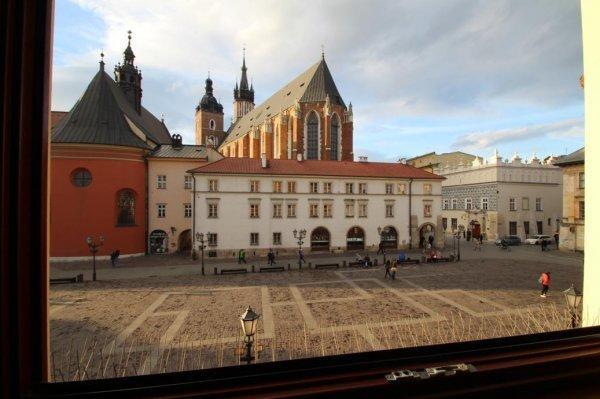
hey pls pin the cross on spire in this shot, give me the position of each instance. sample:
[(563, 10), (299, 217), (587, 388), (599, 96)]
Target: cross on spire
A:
[(322, 51)]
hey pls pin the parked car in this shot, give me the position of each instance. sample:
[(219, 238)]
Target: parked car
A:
[(538, 238), (509, 240)]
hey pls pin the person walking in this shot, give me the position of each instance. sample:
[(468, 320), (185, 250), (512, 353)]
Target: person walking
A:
[(544, 280), (271, 257), (388, 266), (380, 250), (556, 239), (431, 241), (242, 256), (114, 257), (301, 256), (393, 271)]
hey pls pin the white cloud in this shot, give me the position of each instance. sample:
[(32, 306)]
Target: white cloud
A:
[(571, 128)]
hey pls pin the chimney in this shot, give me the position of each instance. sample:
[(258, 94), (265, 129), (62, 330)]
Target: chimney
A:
[(263, 160), (176, 141), (299, 157), (363, 158)]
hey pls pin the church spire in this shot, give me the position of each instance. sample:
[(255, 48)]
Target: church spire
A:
[(128, 55), (243, 92), (129, 77)]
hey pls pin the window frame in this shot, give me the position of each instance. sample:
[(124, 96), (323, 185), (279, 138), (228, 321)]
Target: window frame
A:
[(161, 210), (187, 210), (212, 210), (26, 347), (161, 182), (188, 181), (252, 242), (289, 207)]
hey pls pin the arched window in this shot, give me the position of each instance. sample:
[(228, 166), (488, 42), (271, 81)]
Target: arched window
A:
[(81, 177), (335, 138), (211, 124), (289, 138), (277, 143), (312, 136), (126, 207)]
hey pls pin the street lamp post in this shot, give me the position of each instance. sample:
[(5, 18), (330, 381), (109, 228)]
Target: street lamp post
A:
[(201, 246), (573, 298), (249, 322), (93, 245), (299, 235), (381, 232), (461, 228)]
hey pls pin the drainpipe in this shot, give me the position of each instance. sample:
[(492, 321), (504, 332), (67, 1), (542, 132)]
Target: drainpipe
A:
[(193, 214), (410, 213), (146, 212)]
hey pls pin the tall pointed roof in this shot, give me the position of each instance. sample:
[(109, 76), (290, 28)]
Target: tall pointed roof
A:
[(314, 84), (209, 102), (243, 92), (103, 115)]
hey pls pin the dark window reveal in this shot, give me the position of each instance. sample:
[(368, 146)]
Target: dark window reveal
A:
[(312, 137), (126, 207), (81, 178)]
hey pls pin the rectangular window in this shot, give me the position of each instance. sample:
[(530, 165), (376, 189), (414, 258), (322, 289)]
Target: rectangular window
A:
[(445, 203), (538, 204), (291, 210), (540, 227), (212, 239), (454, 203), (327, 187), (187, 182), (276, 186), (362, 188), (389, 210), (327, 210), (581, 179), (161, 210), (254, 211), (362, 210), (549, 221), (161, 182), (427, 188), (349, 209), (349, 188), (445, 223), (213, 211), (291, 187), (276, 238), (512, 228), (401, 188), (427, 210), (389, 188), (525, 203), (254, 239), (187, 210), (468, 204), (581, 209), (512, 205), (484, 203), (314, 187), (526, 228), (213, 185), (254, 186), (277, 210), (313, 210), (454, 223)]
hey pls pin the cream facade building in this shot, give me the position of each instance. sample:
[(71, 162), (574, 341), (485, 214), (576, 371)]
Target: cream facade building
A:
[(256, 204), (572, 228), (499, 197), (169, 189), (431, 160)]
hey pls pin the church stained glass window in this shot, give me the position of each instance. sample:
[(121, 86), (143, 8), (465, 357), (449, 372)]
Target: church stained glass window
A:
[(335, 137), (126, 207), (312, 137)]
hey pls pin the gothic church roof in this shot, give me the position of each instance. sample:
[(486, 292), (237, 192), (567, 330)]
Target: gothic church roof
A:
[(102, 115), (314, 84)]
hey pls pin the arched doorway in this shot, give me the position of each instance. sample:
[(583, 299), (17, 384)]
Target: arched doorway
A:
[(158, 241), (389, 238), (185, 241), (426, 235), (355, 239), (475, 229), (320, 239)]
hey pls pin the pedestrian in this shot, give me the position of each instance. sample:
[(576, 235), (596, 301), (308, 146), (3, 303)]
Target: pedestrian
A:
[(271, 257), (242, 256), (431, 241), (114, 257), (421, 242), (393, 271), (388, 266), (556, 239), (367, 261), (480, 240), (544, 280), (380, 250), (301, 256), (401, 257), (542, 245)]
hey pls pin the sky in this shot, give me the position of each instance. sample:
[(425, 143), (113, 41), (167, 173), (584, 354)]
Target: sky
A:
[(422, 75)]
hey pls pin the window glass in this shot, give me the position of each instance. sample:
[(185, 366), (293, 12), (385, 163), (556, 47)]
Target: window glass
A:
[(312, 137), (126, 207), (81, 177)]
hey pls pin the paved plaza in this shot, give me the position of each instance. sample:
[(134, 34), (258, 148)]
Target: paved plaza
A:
[(143, 319)]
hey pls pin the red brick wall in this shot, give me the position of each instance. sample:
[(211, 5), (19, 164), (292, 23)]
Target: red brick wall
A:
[(78, 212)]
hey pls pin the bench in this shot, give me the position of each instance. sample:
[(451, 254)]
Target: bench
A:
[(438, 260), (327, 266), (409, 262), (234, 271), (67, 280), (271, 269), (358, 264)]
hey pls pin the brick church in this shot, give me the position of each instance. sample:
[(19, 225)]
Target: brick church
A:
[(307, 118)]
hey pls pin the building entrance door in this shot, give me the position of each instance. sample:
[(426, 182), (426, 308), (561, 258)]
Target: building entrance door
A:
[(355, 239)]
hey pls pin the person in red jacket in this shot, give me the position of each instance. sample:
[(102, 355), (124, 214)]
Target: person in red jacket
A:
[(545, 281)]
